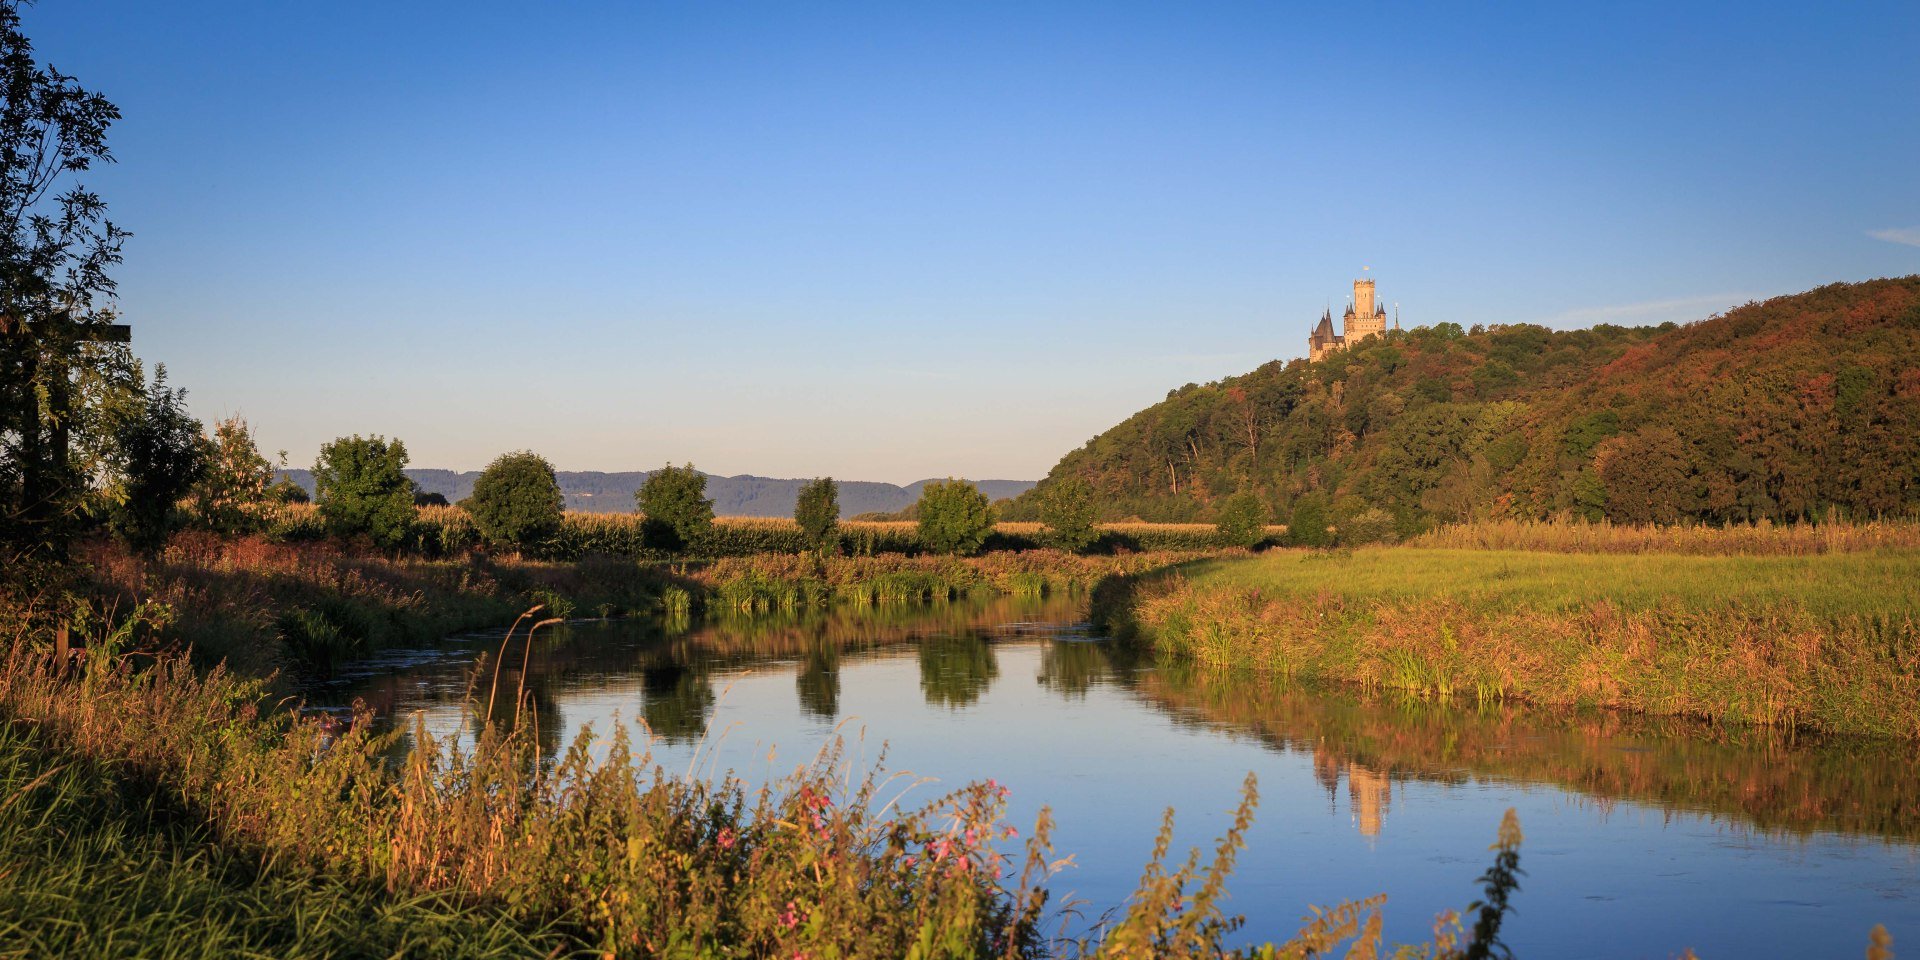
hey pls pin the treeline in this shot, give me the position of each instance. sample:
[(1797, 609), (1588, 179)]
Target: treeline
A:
[(1801, 407)]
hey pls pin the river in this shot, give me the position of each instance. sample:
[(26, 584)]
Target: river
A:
[(1643, 836)]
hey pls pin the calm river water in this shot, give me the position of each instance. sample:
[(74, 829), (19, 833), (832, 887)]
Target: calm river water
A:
[(1643, 837)]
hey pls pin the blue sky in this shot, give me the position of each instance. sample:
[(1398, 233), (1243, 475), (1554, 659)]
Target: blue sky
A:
[(902, 240)]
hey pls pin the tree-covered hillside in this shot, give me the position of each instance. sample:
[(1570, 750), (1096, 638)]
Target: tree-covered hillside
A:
[(1785, 409)]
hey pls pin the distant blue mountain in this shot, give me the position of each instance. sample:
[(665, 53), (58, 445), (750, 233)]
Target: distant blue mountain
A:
[(741, 496)]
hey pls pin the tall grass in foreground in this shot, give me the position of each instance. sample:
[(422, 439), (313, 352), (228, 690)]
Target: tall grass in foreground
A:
[(613, 855)]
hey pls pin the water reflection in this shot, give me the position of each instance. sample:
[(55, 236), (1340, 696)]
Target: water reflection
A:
[(667, 674), (956, 670), (1767, 780)]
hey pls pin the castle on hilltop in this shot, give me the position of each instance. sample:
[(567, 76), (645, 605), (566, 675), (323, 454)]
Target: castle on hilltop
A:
[(1365, 318)]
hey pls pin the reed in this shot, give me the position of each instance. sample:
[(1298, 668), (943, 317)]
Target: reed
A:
[(1763, 538), (495, 851), (1828, 642)]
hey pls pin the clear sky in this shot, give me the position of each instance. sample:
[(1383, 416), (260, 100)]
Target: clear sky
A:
[(902, 240)]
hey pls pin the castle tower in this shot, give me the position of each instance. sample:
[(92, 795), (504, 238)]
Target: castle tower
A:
[(1366, 317)]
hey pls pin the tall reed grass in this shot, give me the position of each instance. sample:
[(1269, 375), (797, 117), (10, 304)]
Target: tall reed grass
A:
[(609, 855), (1762, 659), (1763, 538)]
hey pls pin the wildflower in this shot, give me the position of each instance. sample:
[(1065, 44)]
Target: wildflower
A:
[(791, 918), (727, 838), (940, 848)]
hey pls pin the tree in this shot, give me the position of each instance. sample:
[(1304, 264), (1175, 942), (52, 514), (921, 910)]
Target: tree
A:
[(954, 517), (235, 481), (1243, 520), (55, 247), (817, 511), (161, 458), (362, 487), (1067, 508), (1308, 525), (516, 501), (678, 514), (286, 491)]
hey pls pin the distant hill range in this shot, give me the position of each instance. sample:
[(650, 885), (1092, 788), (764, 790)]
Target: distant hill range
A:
[(742, 496), (1794, 408)]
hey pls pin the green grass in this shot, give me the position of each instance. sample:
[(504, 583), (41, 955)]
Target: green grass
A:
[(1870, 583), (94, 866), (1829, 642)]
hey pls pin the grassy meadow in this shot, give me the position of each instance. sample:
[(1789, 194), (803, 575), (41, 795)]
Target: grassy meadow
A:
[(1828, 640)]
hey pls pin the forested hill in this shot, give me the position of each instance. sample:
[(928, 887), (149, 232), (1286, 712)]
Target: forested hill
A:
[(1783, 409)]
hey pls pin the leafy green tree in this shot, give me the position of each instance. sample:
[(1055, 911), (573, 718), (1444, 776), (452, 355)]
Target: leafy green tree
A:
[(1243, 520), (362, 487), (1067, 508), (161, 458), (1308, 525), (516, 501), (286, 491), (55, 248), (1358, 523), (679, 516), (235, 482), (817, 511), (954, 517)]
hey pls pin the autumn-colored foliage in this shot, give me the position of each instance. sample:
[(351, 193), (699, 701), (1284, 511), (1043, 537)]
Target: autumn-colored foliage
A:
[(1798, 408)]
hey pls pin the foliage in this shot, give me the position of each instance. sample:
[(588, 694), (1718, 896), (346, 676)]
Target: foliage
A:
[(1785, 410), (56, 246), (1358, 523), (678, 514), (817, 511), (1068, 510), (235, 484), (286, 491), (1308, 525), (1243, 520), (954, 517), (516, 501), (161, 460), (363, 490)]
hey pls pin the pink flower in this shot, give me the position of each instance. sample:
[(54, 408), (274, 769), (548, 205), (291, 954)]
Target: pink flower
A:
[(940, 848), (791, 918), (727, 838)]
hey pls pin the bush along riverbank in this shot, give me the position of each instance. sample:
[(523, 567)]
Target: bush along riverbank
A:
[(260, 606), (448, 531), (485, 850), (1828, 642)]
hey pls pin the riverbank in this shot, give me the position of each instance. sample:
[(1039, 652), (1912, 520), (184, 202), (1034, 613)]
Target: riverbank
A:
[(260, 605), (1824, 641), (240, 826)]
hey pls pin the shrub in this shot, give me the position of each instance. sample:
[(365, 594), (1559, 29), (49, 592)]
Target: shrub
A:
[(954, 517), (516, 501), (1067, 508), (1243, 520), (1308, 525), (363, 489), (235, 483), (818, 512), (1356, 523), (161, 459), (678, 514)]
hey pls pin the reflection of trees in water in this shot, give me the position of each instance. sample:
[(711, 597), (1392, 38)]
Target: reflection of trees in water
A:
[(1768, 780), (819, 681), (679, 699), (956, 670), (1071, 667)]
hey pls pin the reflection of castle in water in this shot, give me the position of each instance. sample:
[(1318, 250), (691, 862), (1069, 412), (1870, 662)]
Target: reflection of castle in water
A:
[(1369, 792)]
